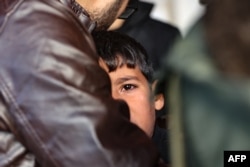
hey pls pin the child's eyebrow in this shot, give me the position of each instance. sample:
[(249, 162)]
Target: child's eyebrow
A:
[(126, 78)]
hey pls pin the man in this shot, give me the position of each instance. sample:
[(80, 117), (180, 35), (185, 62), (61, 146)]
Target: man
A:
[(55, 102)]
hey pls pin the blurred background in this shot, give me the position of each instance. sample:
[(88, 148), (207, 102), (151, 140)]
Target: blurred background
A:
[(179, 13)]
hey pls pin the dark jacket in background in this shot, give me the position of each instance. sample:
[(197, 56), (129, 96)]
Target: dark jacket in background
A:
[(161, 140), (56, 108)]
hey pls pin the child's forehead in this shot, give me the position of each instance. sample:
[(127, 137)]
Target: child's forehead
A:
[(129, 73)]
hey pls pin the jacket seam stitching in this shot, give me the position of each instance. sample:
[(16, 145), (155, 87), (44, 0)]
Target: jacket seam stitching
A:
[(28, 128)]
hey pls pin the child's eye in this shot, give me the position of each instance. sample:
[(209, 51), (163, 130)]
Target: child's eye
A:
[(128, 87)]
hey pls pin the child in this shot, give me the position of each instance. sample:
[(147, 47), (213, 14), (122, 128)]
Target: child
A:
[(131, 75)]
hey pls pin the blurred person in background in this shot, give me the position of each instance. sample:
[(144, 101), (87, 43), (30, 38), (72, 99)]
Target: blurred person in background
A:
[(207, 77)]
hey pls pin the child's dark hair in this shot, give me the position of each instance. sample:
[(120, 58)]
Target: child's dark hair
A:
[(118, 49)]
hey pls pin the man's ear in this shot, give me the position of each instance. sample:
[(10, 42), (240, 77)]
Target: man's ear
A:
[(158, 98)]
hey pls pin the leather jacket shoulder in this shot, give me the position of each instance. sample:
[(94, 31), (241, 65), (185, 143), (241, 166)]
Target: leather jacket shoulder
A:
[(56, 109)]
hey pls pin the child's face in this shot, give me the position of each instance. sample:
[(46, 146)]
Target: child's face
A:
[(131, 86)]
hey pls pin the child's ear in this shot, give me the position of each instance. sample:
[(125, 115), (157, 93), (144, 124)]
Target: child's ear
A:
[(158, 98), (159, 101)]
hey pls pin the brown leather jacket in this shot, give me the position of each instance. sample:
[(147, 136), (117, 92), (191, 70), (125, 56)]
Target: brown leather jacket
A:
[(55, 104)]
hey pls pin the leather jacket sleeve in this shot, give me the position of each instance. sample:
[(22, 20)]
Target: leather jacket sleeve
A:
[(57, 96)]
